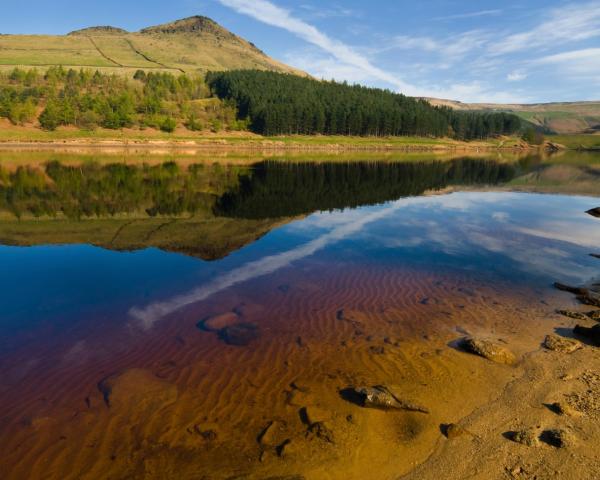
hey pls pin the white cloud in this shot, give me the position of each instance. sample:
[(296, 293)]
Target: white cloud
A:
[(269, 13), (460, 16), (581, 62), (568, 23), (516, 76)]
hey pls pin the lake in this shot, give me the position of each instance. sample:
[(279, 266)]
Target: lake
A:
[(196, 316)]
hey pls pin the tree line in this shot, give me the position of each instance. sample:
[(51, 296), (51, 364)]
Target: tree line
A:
[(266, 103), (276, 103), (88, 100)]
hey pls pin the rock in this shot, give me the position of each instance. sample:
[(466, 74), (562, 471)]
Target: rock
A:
[(272, 433), (570, 289), (322, 431), (594, 212), (594, 315), (381, 397), (137, 389), (486, 349), (452, 430), (562, 408), (207, 432), (527, 437), (589, 299), (239, 335), (561, 344), (288, 448), (571, 314), (592, 333), (218, 322), (376, 350), (311, 415), (556, 437)]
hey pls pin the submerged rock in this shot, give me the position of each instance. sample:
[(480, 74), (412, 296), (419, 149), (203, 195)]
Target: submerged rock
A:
[(239, 335), (137, 389), (218, 322), (272, 433), (570, 289), (561, 344), (594, 212), (322, 431), (592, 333), (312, 415), (381, 397), (489, 350)]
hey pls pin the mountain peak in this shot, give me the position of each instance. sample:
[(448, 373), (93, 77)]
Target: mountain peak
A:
[(195, 24)]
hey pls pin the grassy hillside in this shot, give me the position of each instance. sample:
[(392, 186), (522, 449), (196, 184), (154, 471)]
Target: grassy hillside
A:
[(558, 118), (195, 44)]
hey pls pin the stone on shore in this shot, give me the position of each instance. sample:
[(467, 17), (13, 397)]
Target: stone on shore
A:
[(561, 344), (528, 437), (489, 350), (382, 397)]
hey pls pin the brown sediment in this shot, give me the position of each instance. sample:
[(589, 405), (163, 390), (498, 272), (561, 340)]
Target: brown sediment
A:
[(186, 405)]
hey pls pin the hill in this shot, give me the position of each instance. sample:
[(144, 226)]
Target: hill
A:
[(190, 45), (559, 118)]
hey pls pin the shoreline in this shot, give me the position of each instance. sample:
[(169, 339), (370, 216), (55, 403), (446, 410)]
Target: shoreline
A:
[(252, 146)]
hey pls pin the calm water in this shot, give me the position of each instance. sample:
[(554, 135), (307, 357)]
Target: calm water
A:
[(118, 244), (112, 267)]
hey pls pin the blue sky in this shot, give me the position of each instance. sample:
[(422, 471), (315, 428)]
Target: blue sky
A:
[(514, 51)]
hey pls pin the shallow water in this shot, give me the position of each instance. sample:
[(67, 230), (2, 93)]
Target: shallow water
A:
[(109, 269)]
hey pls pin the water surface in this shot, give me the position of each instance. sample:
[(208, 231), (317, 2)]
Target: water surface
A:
[(111, 266)]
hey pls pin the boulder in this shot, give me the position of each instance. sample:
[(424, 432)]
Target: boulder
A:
[(382, 397), (489, 350), (561, 344)]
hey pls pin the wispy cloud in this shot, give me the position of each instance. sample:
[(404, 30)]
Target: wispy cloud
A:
[(516, 76), (271, 14), (567, 23), (460, 16), (579, 62)]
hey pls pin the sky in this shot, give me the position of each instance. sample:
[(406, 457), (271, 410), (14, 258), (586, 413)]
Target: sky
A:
[(474, 51)]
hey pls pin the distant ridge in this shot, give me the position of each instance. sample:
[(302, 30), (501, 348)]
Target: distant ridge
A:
[(554, 117), (192, 45), (101, 30)]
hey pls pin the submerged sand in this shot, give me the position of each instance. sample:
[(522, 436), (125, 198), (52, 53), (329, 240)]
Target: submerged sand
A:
[(179, 402)]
